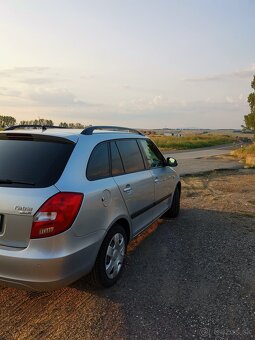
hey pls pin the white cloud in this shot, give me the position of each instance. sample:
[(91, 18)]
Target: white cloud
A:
[(17, 71), (46, 97), (235, 99), (35, 75), (229, 100), (54, 97), (157, 100), (239, 74), (7, 92), (37, 81), (144, 103)]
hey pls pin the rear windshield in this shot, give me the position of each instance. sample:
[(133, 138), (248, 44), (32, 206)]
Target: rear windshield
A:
[(32, 163)]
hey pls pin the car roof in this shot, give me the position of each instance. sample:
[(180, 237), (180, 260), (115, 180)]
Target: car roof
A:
[(75, 134), (71, 134)]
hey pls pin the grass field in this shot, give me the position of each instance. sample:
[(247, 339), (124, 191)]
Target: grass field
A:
[(247, 154), (191, 141)]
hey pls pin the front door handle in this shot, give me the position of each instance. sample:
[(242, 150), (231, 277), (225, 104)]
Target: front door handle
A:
[(156, 180), (127, 188)]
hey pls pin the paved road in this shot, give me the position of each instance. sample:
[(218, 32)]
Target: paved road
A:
[(205, 159), (202, 152)]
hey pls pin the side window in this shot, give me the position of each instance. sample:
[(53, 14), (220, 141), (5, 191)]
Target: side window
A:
[(98, 165), (117, 166), (153, 156), (131, 155)]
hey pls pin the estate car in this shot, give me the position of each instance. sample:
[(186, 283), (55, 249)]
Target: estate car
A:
[(71, 200)]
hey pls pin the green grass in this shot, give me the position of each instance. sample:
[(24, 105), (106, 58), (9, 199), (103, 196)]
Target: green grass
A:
[(246, 154), (191, 141)]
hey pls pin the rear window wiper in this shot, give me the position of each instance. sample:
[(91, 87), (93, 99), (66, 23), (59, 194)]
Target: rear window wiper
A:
[(9, 181)]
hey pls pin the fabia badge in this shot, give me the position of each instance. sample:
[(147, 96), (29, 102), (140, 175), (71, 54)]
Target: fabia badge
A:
[(23, 210)]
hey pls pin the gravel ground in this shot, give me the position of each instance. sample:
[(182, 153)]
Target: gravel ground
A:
[(192, 277)]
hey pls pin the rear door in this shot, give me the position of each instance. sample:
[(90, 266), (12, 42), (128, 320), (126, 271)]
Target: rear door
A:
[(163, 176), (135, 182)]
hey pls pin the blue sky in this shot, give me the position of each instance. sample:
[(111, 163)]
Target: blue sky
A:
[(145, 63)]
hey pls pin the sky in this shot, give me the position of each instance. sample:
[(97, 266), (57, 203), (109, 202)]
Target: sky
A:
[(137, 63)]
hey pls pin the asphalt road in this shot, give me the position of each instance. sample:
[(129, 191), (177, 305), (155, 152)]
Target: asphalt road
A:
[(206, 159), (202, 152)]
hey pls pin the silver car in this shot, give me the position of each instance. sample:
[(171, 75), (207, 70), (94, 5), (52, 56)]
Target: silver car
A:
[(71, 200)]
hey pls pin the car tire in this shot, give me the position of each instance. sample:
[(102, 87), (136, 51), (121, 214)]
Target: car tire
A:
[(110, 259), (174, 210)]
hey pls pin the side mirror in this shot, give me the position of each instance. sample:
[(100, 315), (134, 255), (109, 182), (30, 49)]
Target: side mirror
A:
[(170, 161)]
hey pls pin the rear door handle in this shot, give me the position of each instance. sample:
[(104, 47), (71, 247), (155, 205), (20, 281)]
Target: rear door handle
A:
[(156, 180)]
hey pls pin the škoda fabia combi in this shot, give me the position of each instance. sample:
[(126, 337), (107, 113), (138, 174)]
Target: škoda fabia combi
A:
[(71, 200)]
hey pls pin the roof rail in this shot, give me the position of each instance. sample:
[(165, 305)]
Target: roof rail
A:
[(43, 127), (89, 130)]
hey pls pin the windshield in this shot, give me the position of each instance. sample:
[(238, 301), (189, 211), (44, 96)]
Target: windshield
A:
[(32, 163)]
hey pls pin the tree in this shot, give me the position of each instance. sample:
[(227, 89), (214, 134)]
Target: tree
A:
[(79, 126), (40, 121), (6, 121), (72, 125), (63, 124), (249, 119)]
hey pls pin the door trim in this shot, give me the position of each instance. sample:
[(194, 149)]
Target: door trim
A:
[(148, 207)]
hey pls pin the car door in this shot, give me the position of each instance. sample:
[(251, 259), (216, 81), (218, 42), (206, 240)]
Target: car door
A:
[(163, 176), (135, 182)]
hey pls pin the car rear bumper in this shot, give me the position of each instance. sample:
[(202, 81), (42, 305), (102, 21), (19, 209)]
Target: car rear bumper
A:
[(36, 268)]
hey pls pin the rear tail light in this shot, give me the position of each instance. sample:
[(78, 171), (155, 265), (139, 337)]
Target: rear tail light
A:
[(56, 214)]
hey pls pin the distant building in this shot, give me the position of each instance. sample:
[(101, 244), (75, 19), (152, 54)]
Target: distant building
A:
[(174, 134)]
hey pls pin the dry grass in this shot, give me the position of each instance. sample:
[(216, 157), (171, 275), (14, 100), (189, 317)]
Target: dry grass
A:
[(191, 141), (229, 191), (246, 154)]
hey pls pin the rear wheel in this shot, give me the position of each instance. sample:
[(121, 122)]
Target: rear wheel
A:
[(175, 206), (110, 260)]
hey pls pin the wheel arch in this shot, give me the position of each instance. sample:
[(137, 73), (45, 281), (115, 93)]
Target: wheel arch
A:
[(125, 224)]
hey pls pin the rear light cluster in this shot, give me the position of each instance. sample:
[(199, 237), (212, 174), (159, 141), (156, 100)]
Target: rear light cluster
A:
[(56, 215)]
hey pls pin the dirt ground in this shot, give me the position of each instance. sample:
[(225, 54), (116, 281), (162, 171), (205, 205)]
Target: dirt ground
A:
[(192, 277), (229, 191)]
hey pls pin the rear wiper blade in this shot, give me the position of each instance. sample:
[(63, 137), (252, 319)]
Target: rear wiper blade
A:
[(9, 181)]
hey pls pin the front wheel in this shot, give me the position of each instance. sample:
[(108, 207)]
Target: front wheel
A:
[(110, 260), (175, 206)]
